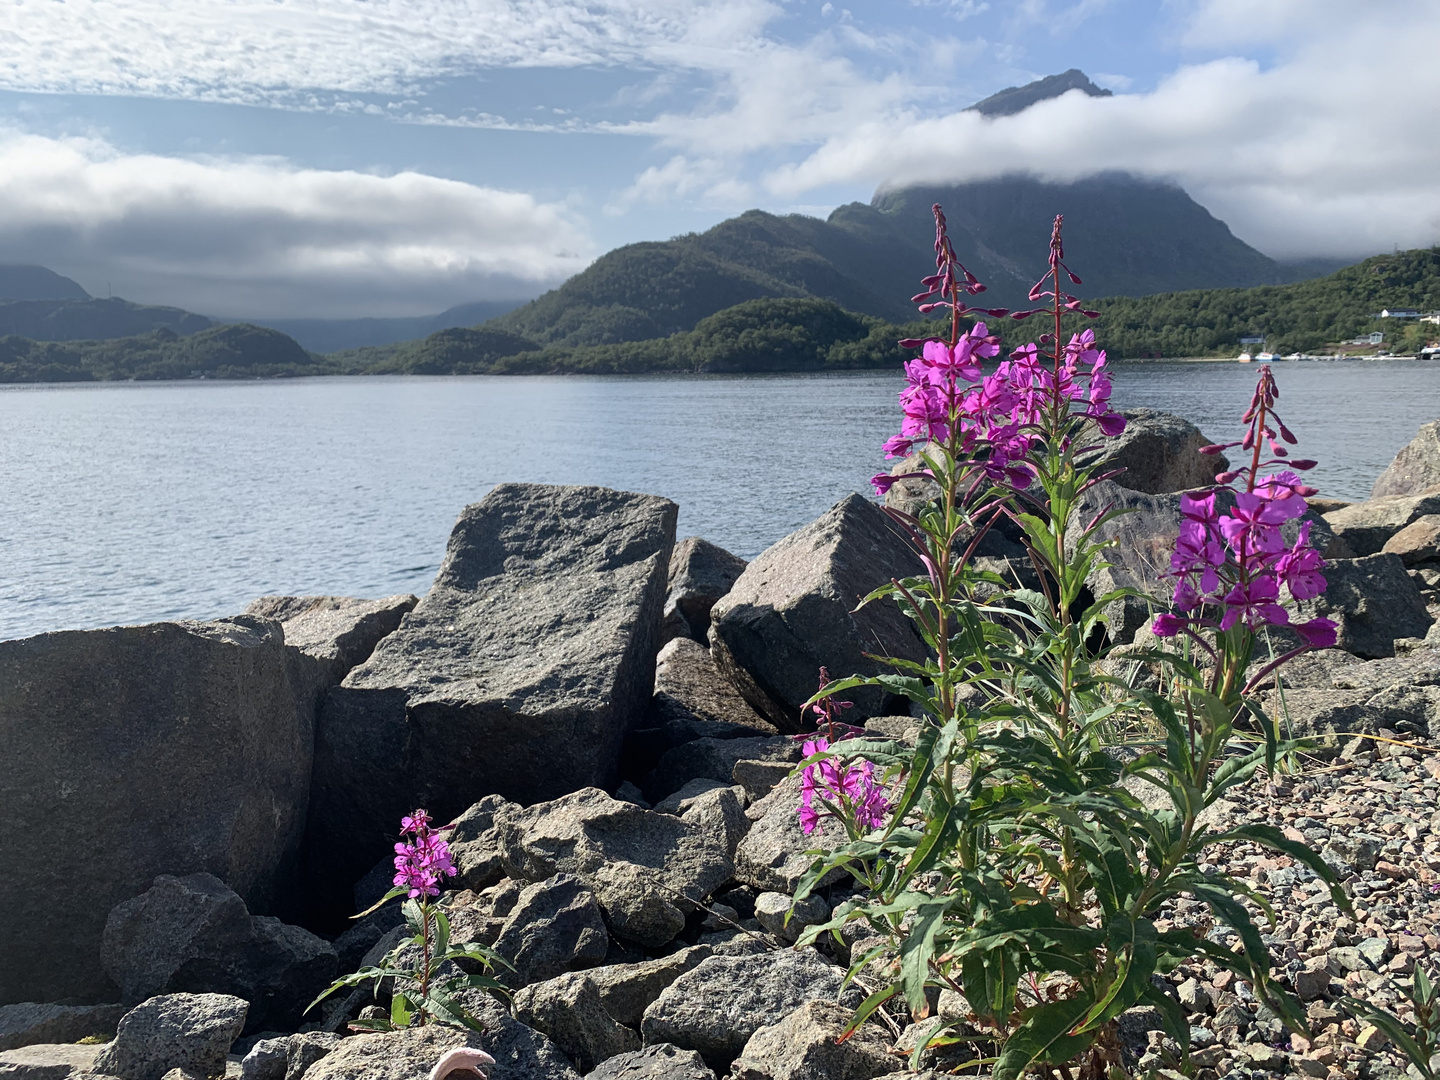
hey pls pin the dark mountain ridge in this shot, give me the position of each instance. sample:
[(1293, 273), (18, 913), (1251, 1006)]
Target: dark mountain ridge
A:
[(1014, 99), (37, 283)]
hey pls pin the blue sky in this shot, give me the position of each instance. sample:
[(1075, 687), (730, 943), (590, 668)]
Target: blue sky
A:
[(349, 157)]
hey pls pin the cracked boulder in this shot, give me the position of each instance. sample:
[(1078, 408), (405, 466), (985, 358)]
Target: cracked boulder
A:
[(647, 869), (700, 573), (193, 934), (570, 1012), (715, 1008), (554, 927), (1416, 468), (518, 674), (170, 748), (793, 611), (804, 1046)]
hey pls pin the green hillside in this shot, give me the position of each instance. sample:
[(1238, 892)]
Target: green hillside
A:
[(92, 319), (231, 351), (1130, 236), (1303, 317)]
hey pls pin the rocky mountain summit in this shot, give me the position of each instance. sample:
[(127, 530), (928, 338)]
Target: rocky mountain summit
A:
[(603, 718)]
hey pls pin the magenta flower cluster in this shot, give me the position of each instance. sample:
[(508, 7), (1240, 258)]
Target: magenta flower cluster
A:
[(949, 399), (1231, 560), (833, 788), (996, 418), (422, 859)]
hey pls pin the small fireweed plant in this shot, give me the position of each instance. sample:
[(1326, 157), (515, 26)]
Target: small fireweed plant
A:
[(424, 988), (1004, 855)]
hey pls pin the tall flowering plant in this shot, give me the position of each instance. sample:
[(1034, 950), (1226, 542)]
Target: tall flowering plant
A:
[(1005, 858), (1232, 564), (427, 970)]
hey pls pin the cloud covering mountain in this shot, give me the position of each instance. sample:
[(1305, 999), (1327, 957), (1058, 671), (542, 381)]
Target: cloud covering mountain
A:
[(344, 157)]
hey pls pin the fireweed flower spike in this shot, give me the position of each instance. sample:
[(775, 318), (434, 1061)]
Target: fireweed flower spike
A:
[(1229, 567)]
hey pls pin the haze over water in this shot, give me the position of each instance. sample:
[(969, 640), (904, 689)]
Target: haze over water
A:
[(135, 502)]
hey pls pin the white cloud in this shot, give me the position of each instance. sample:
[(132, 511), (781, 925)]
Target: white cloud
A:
[(262, 238), (305, 53), (1330, 150)]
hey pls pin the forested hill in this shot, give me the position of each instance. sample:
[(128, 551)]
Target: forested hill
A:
[(1302, 317), (1127, 236)]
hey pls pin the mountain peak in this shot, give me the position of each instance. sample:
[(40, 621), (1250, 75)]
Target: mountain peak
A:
[(37, 283), (1014, 99)]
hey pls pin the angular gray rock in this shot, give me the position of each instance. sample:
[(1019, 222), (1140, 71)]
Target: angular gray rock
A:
[(786, 917), (406, 1054), (716, 1007), (793, 611), (689, 687), (337, 632), (721, 813), (1368, 526), (265, 1060), (802, 1046), (136, 751), (1418, 542), (658, 1062), (192, 1032), (1160, 452), (518, 674), (714, 759), (645, 868), (1144, 539), (1374, 601), (1415, 468), (475, 843), (30, 1022), (555, 927), (771, 857), (569, 1011), (626, 990), (48, 1061), (700, 573), (304, 1049), (194, 935)]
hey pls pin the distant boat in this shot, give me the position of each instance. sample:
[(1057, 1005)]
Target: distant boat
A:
[(1267, 356), (1244, 358)]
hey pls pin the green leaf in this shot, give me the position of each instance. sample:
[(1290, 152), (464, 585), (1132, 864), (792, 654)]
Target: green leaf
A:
[(866, 1010), (1271, 837), (916, 952), (1044, 1036), (400, 1009), (441, 945), (1395, 1030)]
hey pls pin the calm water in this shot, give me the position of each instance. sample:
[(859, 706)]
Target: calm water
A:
[(136, 502)]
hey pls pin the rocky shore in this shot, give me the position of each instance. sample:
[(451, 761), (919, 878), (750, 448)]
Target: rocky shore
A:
[(195, 811)]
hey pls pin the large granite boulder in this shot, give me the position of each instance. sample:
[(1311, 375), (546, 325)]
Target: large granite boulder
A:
[(50, 1061), (689, 688), (1143, 536), (135, 751), (406, 1054), (31, 1022), (658, 1062), (806, 1045), (190, 1032), (570, 1012), (1368, 526), (518, 674), (716, 1007), (714, 759), (194, 935), (700, 573), (336, 632), (555, 927), (793, 611), (1160, 452), (773, 857), (1416, 467), (1374, 601), (1418, 542), (647, 869)]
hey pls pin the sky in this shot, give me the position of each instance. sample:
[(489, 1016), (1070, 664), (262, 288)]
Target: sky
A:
[(341, 158)]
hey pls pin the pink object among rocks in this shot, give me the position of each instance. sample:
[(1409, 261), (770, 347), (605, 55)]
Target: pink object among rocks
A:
[(463, 1060)]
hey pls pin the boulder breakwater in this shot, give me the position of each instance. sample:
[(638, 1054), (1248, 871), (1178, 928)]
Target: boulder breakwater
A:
[(196, 812)]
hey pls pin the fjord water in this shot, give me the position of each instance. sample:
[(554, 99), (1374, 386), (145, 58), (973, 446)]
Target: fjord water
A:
[(134, 502)]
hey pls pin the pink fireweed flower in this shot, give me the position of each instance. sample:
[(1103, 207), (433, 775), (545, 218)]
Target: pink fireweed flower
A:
[(423, 860), (1167, 625), (1256, 603), (1252, 526), (1299, 567), (850, 788), (1318, 633)]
